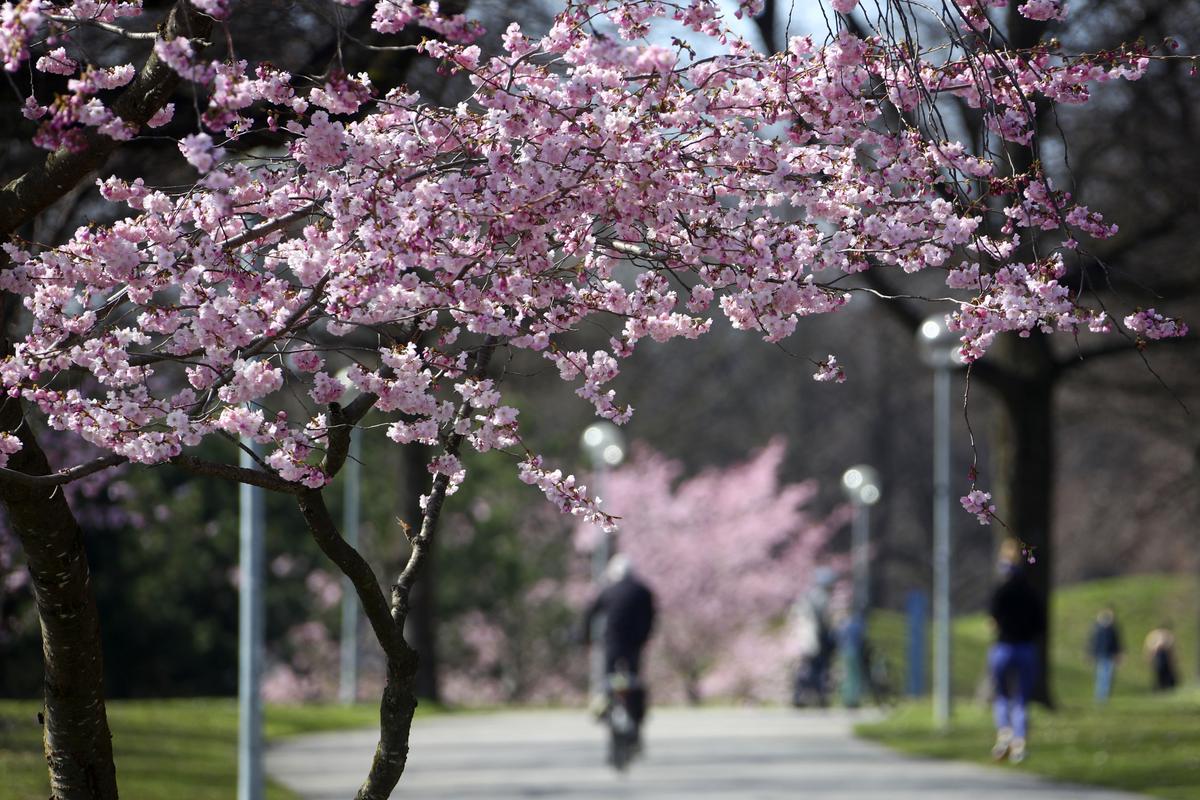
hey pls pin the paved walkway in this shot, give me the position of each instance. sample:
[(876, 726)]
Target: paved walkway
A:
[(706, 754)]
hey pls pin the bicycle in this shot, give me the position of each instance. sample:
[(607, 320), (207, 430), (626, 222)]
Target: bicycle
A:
[(623, 715)]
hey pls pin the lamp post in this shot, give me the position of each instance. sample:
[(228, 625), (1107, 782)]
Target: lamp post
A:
[(351, 514), (604, 445), (939, 350), (250, 634), (861, 485)]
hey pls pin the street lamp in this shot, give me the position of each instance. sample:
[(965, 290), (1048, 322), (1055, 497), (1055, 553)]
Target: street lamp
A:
[(861, 485), (252, 519), (938, 347), (604, 445)]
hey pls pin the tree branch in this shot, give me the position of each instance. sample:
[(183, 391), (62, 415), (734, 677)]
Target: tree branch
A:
[(1122, 347), (267, 228), (231, 472), (325, 533), (63, 476), (26, 196), (402, 589)]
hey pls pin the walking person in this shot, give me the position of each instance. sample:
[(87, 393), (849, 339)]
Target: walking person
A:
[(815, 642), (1160, 650), (1105, 651), (1019, 617)]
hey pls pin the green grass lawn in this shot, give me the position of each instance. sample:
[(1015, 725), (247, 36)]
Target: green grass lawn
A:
[(1139, 742), (164, 748), (1148, 744)]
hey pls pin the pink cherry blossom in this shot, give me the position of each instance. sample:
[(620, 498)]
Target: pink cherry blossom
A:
[(978, 502), (1152, 325), (591, 176), (58, 62), (199, 151)]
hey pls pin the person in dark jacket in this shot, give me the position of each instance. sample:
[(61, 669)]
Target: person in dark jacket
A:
[(1019, 616), (1105, 651), (625, 611), (627, 608)]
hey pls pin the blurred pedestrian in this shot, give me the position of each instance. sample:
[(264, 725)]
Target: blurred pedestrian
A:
[(1105, 650), (1160, 650), (815, 641), (1019, 617), (627, 607)]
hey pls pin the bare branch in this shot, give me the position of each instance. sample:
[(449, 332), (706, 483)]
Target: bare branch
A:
[(105, 26), (267, 228), (231, 472), (63, 476), (1123, 347), (325, 533)]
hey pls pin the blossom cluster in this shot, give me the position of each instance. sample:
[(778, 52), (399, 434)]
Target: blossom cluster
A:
[(589, 175), (978, 502)]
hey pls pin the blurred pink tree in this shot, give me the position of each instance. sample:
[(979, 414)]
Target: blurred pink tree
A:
[(726, 552)]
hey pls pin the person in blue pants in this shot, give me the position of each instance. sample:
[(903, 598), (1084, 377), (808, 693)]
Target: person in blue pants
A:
[(1019, 616), (1105, 647)]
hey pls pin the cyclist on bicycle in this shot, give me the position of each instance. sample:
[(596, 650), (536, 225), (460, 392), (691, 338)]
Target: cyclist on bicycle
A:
[(626, 606)]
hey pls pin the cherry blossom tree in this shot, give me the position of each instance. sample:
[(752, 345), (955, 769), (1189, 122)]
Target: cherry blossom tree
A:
[(592, 175), (726, 552)]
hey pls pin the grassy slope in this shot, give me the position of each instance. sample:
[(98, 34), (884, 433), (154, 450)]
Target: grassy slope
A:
[(1143, 744), (164, 748), (1138, 742), (1142, 602)]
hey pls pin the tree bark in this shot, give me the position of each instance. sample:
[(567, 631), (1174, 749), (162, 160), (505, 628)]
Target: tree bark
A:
[(76, 736), (421, 626)]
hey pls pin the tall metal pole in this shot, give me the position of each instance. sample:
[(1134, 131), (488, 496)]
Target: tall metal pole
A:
[(250, 637), (861, 534), (600, 557), (351, 514), (942, 700)]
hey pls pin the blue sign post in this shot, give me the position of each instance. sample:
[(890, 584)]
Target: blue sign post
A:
[(917, 612)]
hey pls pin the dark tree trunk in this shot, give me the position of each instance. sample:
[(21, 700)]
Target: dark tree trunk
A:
[(1023, 484), (76, 737), (396, 710), (421, 625), (1024, 465), (768, 26)]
